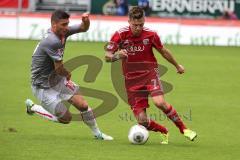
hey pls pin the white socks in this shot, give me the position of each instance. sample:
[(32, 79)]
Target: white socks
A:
[(87, 116), (89, 119), (43, 113)]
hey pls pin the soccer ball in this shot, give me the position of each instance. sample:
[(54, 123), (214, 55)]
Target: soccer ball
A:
[(138, 134)]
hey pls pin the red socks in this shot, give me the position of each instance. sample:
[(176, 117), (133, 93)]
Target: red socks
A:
[(172, 114), (153, 126)]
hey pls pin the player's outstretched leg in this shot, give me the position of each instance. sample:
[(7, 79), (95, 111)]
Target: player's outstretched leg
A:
[(172, 114), (32, 108), (90, 121), (151, 125), (88, 117)]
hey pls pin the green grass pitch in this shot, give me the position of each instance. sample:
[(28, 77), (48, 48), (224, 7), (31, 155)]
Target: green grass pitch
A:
[(206, 96)]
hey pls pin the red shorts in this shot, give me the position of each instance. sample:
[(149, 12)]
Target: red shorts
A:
[(139, 86)]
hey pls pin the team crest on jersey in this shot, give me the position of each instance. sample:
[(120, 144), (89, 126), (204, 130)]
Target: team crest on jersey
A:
[(145, 41)]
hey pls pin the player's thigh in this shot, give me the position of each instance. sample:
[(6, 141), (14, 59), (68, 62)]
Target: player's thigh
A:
[(46, 98), (49, 99), (137, 99), (70, 92), (58, 109), (154, 85), (137, 96), (138, 103), (67, 89)]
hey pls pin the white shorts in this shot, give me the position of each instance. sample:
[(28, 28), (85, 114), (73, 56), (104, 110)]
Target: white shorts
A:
[(52, 99)]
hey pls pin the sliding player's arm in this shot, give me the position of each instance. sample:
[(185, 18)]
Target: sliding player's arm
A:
[(60, 70), (169, 57), (82, 27), (85, 22)]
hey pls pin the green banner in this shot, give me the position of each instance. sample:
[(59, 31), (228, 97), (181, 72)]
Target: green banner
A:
[(182, 8), (194, 8)]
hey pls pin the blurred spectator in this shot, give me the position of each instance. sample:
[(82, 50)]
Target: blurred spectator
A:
[(227, 14), (122, 7), (110, 8), (144, 4)]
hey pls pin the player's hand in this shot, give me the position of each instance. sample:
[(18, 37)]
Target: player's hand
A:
[(180, 69), (85, 17), (122, 54)]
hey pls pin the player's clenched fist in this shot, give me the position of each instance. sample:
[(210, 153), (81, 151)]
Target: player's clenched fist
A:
[(122, 54), (85, 17)]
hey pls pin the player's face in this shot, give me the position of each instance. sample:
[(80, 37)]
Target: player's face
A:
[(136, 25), (61, 27)]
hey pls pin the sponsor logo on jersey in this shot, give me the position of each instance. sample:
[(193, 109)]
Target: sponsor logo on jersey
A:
[(146, 41), (136, 49)]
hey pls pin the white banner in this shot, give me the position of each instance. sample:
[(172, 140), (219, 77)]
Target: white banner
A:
[(101, 30)]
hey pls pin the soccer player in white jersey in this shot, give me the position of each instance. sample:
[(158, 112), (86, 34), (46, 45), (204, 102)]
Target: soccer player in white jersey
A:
[(50, 80)]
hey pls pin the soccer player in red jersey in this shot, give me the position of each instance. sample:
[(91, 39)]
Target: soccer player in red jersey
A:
[(134, 46)]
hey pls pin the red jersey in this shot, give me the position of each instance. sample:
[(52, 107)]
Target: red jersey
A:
[(139, 49)]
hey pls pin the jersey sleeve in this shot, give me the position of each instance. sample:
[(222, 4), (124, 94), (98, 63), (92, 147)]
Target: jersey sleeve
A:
[(73, 29), (157, 41), (114, 43), (54, 51), (115, 38)]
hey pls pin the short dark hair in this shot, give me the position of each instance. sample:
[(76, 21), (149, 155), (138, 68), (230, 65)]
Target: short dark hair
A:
[(136, 13), (59, 14)]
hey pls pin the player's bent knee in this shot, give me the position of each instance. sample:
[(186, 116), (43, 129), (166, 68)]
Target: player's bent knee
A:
[(82, 105), (83, 108), (66, 119), (79, 102), (160, 104)]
